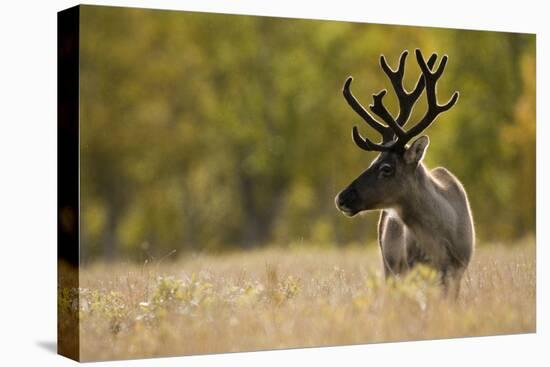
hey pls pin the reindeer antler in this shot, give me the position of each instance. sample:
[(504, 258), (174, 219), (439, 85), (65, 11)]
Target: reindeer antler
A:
[(394, 137)]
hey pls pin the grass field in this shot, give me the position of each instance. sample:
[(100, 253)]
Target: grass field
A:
[(281, 298)]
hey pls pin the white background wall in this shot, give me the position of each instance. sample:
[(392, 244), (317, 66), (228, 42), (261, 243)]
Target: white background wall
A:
[(28, 182)]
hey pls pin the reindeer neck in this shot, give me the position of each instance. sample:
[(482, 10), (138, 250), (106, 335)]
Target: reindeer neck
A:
[(421, 207)]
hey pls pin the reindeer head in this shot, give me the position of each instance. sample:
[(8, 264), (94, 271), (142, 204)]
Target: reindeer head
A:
[(388, 179)]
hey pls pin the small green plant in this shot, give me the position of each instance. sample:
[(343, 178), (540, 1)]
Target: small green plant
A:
[(421, 283), (280, 291), (290, 287), (107, 305), (176, 295)]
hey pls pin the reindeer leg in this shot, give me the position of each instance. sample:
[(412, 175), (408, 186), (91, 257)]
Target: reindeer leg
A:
[(391, 237), (451, 278)]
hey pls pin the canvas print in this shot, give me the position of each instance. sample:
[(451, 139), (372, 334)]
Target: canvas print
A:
[(234, 183)]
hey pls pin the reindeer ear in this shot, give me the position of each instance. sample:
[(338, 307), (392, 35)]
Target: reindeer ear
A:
[(415, 153)]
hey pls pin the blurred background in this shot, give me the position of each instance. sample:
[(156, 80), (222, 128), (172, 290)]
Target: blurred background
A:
[(209, 132)]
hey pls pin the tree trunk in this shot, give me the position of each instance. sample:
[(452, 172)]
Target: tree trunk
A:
[(109, 245)]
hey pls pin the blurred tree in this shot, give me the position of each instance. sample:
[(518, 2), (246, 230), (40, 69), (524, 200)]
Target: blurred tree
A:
[(211, 132), (519, 138)]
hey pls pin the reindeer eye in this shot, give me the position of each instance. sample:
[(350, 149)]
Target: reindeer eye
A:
[(386, 170)]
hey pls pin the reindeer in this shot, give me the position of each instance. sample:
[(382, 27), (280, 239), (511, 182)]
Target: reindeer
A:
[(425, 215)]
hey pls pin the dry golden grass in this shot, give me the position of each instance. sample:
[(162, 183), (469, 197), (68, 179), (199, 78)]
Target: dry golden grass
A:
[(277, 298)]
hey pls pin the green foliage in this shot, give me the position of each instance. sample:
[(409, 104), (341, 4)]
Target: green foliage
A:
[(67, 300), (108, 306), (212, 132), (175, 295)]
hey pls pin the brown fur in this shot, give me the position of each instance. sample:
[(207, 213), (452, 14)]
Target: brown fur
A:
[(425, 218)]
